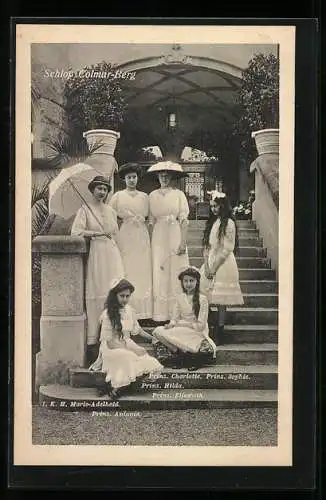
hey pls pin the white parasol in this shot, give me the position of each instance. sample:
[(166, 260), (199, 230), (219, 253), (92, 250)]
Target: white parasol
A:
[(69, 190)]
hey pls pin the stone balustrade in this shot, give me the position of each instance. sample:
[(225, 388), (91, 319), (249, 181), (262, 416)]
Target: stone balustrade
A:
[(63, 318), (265, 206)]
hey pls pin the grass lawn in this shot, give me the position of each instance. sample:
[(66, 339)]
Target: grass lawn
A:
[(229, 427)]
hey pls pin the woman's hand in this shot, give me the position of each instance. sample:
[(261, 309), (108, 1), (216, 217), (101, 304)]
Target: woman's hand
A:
[(169, 325), (181, 249), (208, 273)]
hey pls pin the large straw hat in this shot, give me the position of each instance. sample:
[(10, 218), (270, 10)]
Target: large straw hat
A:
[(167, 166)]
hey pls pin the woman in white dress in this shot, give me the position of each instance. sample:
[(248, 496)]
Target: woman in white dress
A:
[(187, 333), (169, 212), (132, 208), (122, 360), (98, 222), (219, 273)]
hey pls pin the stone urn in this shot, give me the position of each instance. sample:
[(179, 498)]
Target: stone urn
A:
[(102, 144), (104, 141), (267, 140)]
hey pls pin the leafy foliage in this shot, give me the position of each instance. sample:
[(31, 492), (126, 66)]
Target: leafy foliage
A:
[(93, 103), (257, 101), (259, 93), (68, 150)]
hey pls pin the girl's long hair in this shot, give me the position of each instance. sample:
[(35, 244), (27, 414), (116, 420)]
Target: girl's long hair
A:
[(195, 298), (224, 215), (112, 308)]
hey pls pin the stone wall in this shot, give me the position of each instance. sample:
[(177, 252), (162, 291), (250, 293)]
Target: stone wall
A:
[(49, 119)]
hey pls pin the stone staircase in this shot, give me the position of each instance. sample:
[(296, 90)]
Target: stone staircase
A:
[(245, 374)]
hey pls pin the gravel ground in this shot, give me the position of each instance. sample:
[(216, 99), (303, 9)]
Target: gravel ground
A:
[(229, 427)]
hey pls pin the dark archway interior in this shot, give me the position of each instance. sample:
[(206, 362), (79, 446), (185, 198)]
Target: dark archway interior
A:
[(202, 100)]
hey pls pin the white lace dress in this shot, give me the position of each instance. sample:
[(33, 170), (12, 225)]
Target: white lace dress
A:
[(181, 335), (167, 209), (224, 288), (121, 358), (104, 262), (135, 248)]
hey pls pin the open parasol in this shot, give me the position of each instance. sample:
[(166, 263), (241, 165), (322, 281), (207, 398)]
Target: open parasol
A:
[(69, 190)]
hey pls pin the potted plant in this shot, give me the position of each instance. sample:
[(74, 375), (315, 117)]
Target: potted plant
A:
[(95, 105), (258, 104), (243, 210)]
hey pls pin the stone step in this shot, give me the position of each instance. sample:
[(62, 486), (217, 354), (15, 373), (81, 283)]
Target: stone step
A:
[(257, 274), (238, 353), (250, 241), (260, 299), (67, 398), (243, 232), (244, 241), (240, 224), (243, 262), (251, 316), (234, 334), (255, 334), (262, 286), (247, 354), (210, 377), (197, 251)]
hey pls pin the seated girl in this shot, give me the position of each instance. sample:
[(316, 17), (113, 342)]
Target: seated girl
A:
[(186, 335), (120, 357)]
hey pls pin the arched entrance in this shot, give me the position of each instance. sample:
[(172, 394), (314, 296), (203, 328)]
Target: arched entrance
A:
[(178, 100)]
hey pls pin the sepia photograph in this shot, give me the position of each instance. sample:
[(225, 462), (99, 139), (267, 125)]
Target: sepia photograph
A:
[(158, 185)]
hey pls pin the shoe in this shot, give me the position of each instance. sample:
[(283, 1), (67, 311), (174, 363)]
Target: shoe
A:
[(113, 394), (193, 368)]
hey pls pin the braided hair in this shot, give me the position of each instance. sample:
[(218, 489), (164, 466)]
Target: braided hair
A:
[(195, 297)]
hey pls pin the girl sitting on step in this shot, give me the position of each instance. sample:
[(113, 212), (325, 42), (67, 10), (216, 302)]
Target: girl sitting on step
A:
[(186, 335), (122, 360), (219, 273)]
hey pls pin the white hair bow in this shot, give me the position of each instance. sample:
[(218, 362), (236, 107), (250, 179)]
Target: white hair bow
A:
[(216, 194), (114, 283)]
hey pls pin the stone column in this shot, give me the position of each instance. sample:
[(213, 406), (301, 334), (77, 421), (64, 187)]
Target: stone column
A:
[(63, 319)]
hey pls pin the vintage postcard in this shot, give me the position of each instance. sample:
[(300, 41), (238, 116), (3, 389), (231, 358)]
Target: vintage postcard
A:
[(154, 178)]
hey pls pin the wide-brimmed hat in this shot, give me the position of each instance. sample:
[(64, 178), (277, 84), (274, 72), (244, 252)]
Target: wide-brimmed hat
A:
[(128, 168), (167, 166), (99, 180), (189, 271), (118, 285)]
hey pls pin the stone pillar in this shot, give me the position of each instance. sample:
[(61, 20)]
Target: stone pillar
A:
[(63, 319)]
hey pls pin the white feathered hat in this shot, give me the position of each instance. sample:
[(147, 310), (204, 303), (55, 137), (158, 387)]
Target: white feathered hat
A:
[(166, 166)]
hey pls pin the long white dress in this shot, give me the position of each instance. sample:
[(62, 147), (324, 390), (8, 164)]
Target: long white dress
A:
[(134, 245), (167, 209), (224, 288), (104, 261), (121, 358), (180, 336)]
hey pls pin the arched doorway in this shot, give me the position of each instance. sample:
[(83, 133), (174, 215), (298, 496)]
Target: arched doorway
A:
[(179, 100)]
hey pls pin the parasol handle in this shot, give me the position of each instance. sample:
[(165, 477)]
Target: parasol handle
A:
[(85, 202)]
